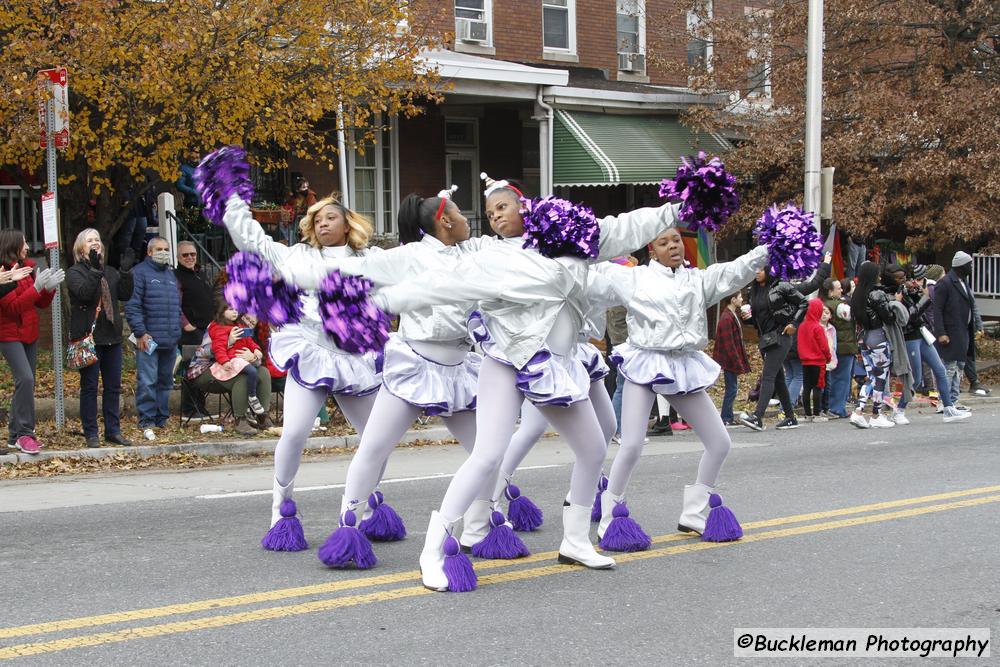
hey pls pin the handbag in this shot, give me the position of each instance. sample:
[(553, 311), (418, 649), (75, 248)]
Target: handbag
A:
[(83, 353), (768, 340)]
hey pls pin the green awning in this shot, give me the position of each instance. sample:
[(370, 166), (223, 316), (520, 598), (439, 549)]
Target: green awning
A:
[(612, 149)]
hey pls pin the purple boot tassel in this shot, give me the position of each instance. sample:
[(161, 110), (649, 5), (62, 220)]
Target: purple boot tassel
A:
[(286, 535), (623, 533), (501, 543), (384, 525), (595, 512), (458, 567), (347, 544), (721, 525), (524, 515)]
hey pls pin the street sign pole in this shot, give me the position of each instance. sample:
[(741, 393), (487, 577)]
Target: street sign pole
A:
[(814, 109), (57, 338)]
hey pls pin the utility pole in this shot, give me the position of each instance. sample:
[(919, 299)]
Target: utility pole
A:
[(814, 109)]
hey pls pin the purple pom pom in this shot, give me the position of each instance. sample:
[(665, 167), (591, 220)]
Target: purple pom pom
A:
[(721, 525), (501, 543), (556, 227), (794, 246), (354, 322), (524, 515), (707, 193), (251, 288), (457, 567), (347, 544), (287, 533), (624, 533), (384, 525), (221, 174), (595, 511)]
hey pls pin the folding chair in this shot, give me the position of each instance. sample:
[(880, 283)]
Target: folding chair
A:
[(214, 388)]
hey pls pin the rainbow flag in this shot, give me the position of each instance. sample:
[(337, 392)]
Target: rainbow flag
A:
[(697, 248)]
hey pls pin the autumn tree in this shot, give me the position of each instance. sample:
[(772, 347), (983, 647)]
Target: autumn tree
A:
[(157, 82), (911, 110)]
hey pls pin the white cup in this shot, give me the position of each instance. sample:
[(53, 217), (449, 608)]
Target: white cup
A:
[(745, 309)]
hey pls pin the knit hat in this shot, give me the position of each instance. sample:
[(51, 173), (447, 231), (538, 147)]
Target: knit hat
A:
[(919, 271), (934, 272), (961, 259)]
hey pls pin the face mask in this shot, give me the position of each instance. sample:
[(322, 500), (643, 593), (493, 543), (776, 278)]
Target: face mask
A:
[(161, 256)]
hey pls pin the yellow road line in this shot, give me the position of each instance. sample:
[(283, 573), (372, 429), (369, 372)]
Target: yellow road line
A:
[(285, 611), (413, 575)]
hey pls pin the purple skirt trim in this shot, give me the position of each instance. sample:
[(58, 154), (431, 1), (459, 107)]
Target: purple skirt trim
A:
[(547, 378), (665, 372), (437, 389), (592, 360)]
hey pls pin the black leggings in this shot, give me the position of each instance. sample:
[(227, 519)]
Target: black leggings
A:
[(812, 395), (772, 379)]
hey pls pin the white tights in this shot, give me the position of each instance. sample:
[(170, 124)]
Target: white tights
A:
[(533, 425), (390, 418), (697, 410), (302, 405), (499, 402)]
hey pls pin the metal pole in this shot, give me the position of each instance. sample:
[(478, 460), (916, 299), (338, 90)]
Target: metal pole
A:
[(57, 340), (345, 197), (814, 108)]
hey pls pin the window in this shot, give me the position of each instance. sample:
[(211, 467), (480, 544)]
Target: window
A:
[(759, 75), (631, 36), (473, 20), (559, 25), (375, 182)]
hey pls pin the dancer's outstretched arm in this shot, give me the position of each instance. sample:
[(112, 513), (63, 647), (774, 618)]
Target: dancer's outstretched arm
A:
[(624, 234)]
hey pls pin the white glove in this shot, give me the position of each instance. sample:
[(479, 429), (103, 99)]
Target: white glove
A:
[(41, 277), (56, 276)]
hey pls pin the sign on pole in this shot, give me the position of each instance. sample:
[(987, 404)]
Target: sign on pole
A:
[(53, 109), (55, 89)]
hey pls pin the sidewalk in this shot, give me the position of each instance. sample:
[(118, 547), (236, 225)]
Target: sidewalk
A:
[(221, 448), (267, 445)]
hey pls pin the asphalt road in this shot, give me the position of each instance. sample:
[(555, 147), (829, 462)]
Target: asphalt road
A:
[(844, 528)]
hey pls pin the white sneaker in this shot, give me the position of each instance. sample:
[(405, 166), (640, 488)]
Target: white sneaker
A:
[(149, 434), (881, 422), (858, 419), (773, 402), (617, 438), (961, 408), (953, 415), (818, 419), (899, 417), (940, 407)]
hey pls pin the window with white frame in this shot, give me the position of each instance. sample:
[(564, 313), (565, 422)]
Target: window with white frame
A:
[(631, 36), (473, 22), (559, 25), (759, 75), (374, 182), (699, 46)]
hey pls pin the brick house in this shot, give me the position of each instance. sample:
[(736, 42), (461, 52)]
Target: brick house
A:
[(558, 94)]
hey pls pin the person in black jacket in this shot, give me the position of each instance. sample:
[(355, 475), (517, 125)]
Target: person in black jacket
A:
[(870, 307), (777, 308), (197, 311), (954, 322), (94, 292)]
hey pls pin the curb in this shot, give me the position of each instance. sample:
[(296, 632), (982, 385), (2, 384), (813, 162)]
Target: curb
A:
[(262, 446)]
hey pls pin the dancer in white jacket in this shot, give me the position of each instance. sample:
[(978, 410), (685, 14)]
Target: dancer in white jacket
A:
[(532, 308), (668, 330)]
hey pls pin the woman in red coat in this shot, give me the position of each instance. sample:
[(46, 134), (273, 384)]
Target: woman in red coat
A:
[(19, 335), (730, 353)]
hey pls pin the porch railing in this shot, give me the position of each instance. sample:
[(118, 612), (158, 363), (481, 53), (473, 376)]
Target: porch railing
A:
[(986, 275)]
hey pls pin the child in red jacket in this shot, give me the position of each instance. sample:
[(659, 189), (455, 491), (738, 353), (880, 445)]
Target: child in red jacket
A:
[(814, 351), (235, 352)]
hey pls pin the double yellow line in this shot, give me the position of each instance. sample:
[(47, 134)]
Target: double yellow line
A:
[(860, 515)]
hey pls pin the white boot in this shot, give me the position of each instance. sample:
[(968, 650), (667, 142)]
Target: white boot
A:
[(476, 523), (576, 547), (279, 494), (695, 512), (608, 502), (432, 556), (498, 488)]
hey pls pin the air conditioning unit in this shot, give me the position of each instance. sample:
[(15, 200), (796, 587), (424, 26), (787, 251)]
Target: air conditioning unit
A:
[(631, 62), (468, 30)]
